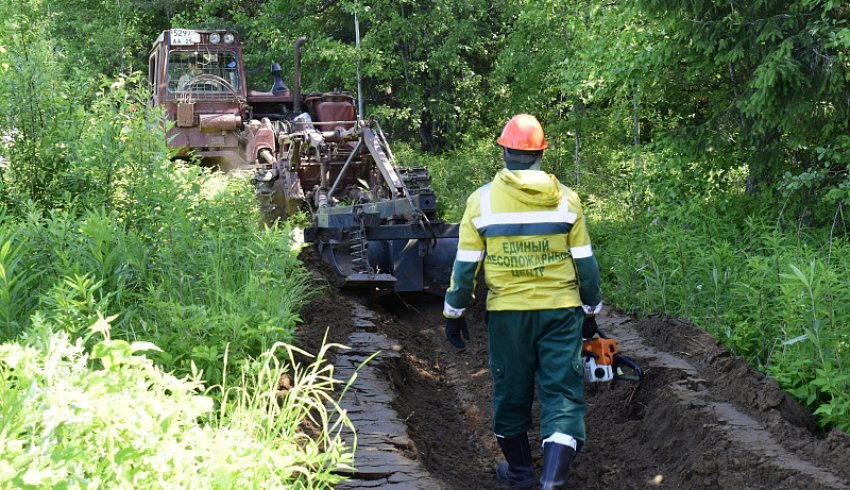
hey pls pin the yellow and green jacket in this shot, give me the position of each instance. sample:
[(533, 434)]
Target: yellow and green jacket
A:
[(529, 233)]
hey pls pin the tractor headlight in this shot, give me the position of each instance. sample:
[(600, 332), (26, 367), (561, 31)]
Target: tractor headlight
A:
[(215, 38), (229, 38)]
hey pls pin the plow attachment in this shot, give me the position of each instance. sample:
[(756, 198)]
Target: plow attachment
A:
[(400, 258)]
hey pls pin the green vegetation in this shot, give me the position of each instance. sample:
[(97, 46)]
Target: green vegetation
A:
[(145, 313), (778, 297), (708, 139), (108, 416)]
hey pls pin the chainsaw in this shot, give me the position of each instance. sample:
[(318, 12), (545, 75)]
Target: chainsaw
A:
[(604, 362)]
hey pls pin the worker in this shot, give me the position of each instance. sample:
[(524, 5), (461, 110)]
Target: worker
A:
[(186, 79), (529, 233)]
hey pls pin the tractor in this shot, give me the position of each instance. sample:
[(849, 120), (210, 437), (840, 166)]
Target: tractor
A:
[(373, 222)]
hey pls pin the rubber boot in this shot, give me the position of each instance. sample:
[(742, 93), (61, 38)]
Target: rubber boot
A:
[(557, 459), (518, 471)]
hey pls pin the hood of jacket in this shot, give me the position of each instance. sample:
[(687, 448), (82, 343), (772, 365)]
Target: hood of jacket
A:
[(533, 187)]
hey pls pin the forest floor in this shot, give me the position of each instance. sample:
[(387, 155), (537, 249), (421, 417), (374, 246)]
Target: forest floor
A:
[(701, 418)]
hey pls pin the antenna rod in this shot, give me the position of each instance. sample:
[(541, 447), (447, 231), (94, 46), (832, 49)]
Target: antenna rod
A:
[(359, 86)]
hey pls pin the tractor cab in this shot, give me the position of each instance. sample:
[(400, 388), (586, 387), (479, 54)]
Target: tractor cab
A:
[(198, 77), (203, 75)]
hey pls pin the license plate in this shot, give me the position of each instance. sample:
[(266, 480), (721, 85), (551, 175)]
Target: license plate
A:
[(184, 37)]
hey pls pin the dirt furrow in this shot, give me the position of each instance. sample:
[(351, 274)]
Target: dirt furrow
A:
[(707, 425), (700, 419)]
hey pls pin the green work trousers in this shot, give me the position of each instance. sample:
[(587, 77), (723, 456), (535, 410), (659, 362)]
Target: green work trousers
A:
[(542, 346)]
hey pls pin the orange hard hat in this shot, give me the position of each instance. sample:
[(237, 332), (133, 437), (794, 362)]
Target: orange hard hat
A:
[(523, 132)]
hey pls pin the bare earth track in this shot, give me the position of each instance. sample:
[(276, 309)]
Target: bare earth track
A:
[(700, 419)]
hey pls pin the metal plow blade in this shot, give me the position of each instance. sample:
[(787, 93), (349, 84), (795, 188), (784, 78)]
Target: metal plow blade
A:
[(361, 280)]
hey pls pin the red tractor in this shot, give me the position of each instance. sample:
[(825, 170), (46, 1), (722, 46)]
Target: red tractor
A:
[(198, 77), (375, 223)]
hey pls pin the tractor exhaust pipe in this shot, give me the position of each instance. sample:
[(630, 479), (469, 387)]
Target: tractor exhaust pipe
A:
[(296, 88)]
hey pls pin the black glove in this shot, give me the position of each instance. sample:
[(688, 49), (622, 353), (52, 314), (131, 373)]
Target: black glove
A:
[(589, 327), (454, 327)]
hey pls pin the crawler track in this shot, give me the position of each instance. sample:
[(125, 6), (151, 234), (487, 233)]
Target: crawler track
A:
[(700, 419)]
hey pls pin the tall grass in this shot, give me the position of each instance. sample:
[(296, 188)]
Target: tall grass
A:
[(779, 297), (196, 287)]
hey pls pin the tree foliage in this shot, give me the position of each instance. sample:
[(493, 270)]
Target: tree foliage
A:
[(723, 96), (693, 116), (773, 82)]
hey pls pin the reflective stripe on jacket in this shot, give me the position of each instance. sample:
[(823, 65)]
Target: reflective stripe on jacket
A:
[(529, 232)]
